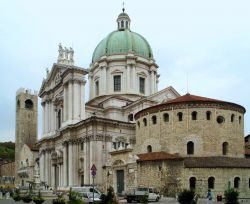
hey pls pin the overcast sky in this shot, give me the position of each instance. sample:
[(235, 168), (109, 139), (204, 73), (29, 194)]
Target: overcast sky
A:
[(207, 40)]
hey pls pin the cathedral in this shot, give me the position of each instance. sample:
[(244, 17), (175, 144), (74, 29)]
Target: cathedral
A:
[(133, 133)]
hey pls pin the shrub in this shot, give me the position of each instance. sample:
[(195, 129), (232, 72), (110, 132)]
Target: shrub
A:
[(111, 198), (59, 200), (187, 197), (26, 198), (144, 199), (16, 197), (231, 196), (38, 199), (74, 198)]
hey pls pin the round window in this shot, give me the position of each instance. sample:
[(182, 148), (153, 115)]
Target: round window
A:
[(220, 119)]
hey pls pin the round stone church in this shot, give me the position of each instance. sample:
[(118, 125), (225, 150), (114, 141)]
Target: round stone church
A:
[(133, 133)]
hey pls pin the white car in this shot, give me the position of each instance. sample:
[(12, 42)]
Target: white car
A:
[(88, 198)]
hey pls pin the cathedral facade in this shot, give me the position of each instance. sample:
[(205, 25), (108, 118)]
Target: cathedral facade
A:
[(134, 134)]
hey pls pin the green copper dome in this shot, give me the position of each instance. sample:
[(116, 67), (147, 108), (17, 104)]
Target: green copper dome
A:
[(123, 41)]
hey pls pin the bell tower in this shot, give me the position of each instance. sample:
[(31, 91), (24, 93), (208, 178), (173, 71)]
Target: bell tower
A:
[(26, 122)]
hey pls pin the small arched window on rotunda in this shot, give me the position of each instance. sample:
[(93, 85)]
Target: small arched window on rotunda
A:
[(28, 104), (145, 121), (232, 118), (208, 114), (236, 182), (192, 183), (190, 148), (149, 148), (225, 148), (154, 119), (18, 104), (194, 115), (239, 119), (166, 117), (180, 114), (130, 117), (211, 181)]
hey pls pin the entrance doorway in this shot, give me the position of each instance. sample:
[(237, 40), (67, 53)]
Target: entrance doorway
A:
[(120, 181)]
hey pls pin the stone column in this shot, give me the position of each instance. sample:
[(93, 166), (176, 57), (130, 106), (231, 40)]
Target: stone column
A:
[(53, 176), (43, 106), (70, 102), (70, 164), (103, 88), (59, 175), (127, 78), (41, 165), (46, 117), (65, 166), (152, 82), (134, 79), (82, 100), (46, 167), (86, 163), (76, 101), (65, 103)]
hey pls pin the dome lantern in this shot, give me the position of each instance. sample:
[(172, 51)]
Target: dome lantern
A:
[(123, 21)]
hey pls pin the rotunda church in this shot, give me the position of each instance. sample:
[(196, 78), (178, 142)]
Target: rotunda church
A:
[(134, 134)]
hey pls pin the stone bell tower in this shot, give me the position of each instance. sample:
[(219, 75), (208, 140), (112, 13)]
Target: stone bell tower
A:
[(26, 123)]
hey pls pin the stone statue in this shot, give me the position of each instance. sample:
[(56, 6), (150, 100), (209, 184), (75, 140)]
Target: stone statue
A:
[(66, 53), (61, 52), (36, 169), (71, 54)]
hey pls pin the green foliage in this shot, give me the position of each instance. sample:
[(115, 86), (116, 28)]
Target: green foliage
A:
[(59, 200), (110, 198), (7, 150), (187, 197), (74, 198), (38, 199), (144, 199), (231, 196), (27, 198), (16, 196)]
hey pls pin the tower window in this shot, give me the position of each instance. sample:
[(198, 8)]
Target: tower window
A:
[(190, 147), (145, 121), (149, 148), (211, 182), (142, 85), (97, 88), (28, 104), (166, 117), (154, 119), (225, 148), (192, 183), (208, 113), (180, 114), (194, 115), (236, 182), (117, 83), (232, 118)]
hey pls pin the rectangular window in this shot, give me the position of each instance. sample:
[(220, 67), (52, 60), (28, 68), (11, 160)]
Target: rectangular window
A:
[(117, 83), (142, 85), (97, 88)]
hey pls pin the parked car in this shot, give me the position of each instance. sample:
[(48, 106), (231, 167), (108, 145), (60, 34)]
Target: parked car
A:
[(88, 198), (138, 193), (85, 189)]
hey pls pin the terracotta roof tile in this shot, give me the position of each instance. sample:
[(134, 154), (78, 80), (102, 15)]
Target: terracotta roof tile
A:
[(152, 156), (216, 162)]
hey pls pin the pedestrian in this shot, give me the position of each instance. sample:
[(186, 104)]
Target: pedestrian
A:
[(209, 197)]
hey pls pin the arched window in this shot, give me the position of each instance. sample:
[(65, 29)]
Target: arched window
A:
[(149, 148), (208, 113), (239, 119), (130, 117), (18, 103), (236, 182), (194, 115), (59, 118), (122, 24), (192, 183), (154, 119), (190, 147), (225, 148), (180, 114), (232, 118), (28, 104), (138, 124), (211, 182), (145, 121), (166, 117)]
